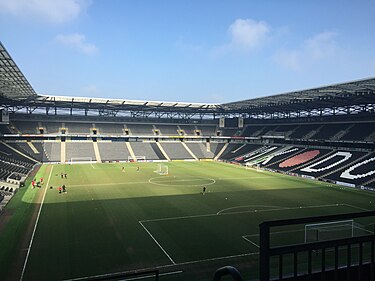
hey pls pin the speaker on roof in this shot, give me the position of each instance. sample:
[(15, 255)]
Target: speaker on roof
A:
[(240, 122), (4, 116), (222, 122)]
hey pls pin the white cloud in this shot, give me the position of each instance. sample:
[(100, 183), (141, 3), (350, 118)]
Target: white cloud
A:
[(90, 89), (316, 48), (321, 45), (54, 11), (77, 41), (246, 35), (288, 59)]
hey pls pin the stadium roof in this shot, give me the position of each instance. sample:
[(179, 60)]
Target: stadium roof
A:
[(16, 92), (343, 94), (12, 82)]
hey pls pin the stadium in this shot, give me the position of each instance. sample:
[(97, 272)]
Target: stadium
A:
[(278, 187)]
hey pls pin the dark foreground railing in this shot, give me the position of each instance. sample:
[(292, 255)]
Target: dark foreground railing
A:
[(347, 267)]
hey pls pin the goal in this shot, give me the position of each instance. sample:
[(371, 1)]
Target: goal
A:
[(249, 166), (80, 159), (137, 159), (162, 169), (330, 230)]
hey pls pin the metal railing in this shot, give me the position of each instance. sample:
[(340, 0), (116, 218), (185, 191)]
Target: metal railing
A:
[(353, 264)]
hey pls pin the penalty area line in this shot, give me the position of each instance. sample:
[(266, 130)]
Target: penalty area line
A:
[(157, 243), (248, 240), (127, 278), (36, 224)]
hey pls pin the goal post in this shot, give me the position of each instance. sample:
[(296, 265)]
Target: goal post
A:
[(80, 159), (162, 169), (137, 158), (329, 230), (252, 166)]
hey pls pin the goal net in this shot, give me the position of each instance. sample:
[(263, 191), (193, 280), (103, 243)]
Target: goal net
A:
[(80, 159), (162, 169), (249, 166), (137, 159), (331, 230)]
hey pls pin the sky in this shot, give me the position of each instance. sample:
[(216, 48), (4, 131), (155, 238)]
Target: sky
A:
[(204, 51)]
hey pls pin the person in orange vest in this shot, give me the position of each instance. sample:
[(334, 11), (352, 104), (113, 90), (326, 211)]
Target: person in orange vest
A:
[(59, 189)]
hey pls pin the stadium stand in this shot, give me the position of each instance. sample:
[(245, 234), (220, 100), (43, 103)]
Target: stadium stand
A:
[(231, 132), (25, 147), (171, 130), (78, 128), (80, 151), (188, 129), (359, 132), (304, 131), (206, 130), (357, 172), (110, 128), (199, 149), (28, 127), (215, 147), (52, 127), (175, 150), (147, 149), (52, 150), (328, 131), (113, 151), (140, 129)]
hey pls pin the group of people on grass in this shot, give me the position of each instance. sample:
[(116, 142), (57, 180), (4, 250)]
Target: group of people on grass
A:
[(36, 183), (60, 189)]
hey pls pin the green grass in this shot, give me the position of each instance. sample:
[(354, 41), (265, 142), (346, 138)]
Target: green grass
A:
[(111, 221)]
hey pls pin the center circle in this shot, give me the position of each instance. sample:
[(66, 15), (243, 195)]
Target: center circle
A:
[(182, 181)]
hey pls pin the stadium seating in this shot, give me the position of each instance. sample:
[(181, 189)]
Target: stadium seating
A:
[(189, 130), (175, 150), (52, 127), (330, 162), (230, 132), (52, 151), (109, 128), (328, 131), (26, 127), (207, 130), (147, 149), (356, 172), (78, 128), (113, 151), (80, 151), (303, 131), (359, 132), (199, 149), (140, 129), (216, 147), (169, 130)]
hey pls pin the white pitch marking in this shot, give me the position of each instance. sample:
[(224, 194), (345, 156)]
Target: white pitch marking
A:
[(243, 212), (237, 207), (133, 278), (356, 207), (157, 243), (160, 274), (36, 224), (255, 244)]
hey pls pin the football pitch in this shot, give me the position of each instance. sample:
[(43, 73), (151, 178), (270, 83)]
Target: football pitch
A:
[(114, 219)]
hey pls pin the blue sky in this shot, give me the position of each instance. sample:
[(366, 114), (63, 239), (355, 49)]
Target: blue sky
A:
[(188, 50)]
